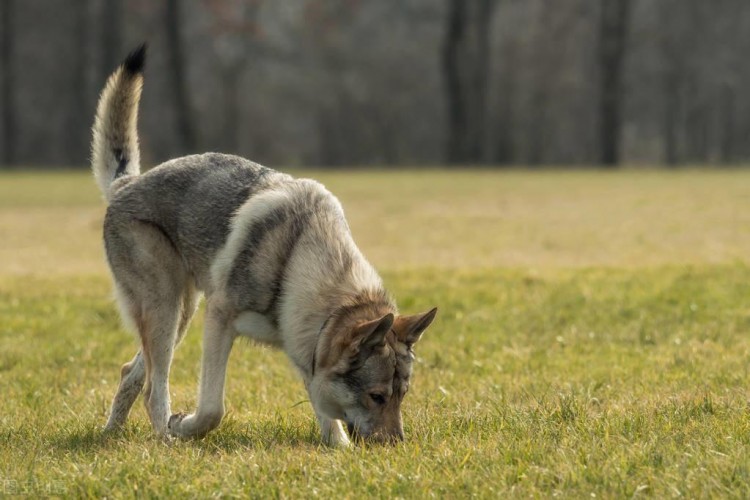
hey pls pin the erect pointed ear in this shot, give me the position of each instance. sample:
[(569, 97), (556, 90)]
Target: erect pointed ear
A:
[(409, 328), (371, 334)]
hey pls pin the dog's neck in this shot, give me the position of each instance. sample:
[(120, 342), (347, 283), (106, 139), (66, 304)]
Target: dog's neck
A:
[(317, 342), (332, 278)]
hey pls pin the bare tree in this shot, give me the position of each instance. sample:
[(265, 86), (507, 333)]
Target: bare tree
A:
[(465, 67), (111, 41), (673, 70), (183, 109), (729, 122), (546, 44), (235, 27), (615, 16), (503, 137), (78, 119), (332, 71), (7, 35)]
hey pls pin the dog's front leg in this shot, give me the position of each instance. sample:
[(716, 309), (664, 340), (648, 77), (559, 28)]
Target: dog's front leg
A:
[(332, 432), (217, 344)]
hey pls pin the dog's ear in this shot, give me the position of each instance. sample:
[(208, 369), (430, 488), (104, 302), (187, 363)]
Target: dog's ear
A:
[(410, 328), (371, 334)]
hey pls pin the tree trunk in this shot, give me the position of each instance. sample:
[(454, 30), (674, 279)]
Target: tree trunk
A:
[(670, 132), (670, 123), (465, 67), (231, 97), (729, 105), (185, 132), (503, 147), (615, 15), (8, 82), (79, 113), (111, 26)]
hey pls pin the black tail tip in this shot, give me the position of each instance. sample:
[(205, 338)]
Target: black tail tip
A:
[(136, 60)]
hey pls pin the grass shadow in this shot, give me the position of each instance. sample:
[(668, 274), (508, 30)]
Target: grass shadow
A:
[(262, 433), (256, 434), (90, 438)]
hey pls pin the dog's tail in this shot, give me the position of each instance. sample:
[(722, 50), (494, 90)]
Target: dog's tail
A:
[(114, 147)]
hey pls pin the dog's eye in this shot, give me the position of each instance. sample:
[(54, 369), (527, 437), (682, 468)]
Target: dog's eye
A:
[(377, 398)]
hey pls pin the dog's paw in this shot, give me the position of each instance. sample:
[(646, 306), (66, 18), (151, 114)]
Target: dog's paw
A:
[(173, 426), (339, 444), (336, 439), (112, 429)]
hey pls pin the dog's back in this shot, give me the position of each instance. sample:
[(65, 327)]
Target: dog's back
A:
[(191, 200)]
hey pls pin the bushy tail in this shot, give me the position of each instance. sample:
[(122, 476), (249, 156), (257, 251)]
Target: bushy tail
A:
[(114, 147)]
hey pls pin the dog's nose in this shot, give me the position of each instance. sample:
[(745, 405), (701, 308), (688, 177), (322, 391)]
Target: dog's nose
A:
[(396, 438), (388, 438)]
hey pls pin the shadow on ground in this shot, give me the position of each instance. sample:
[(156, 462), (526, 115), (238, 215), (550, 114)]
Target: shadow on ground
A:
[(260, 433)]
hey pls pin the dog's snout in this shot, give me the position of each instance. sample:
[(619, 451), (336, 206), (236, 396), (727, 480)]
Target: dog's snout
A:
[(381, 438), (379, 435), (395, 437), (390, 436)]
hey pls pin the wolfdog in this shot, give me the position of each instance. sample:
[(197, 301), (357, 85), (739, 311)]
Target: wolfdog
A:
[(276, 262)]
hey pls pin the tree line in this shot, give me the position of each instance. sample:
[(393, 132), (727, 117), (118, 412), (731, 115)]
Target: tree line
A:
[(403, 82)]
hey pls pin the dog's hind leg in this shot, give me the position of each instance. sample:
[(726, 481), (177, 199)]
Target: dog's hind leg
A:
[(218, 338), (154, 293), (189, 305), (133, 375), (158, 340)]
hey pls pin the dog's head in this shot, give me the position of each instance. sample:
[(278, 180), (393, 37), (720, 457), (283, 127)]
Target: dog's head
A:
[(362, 372)]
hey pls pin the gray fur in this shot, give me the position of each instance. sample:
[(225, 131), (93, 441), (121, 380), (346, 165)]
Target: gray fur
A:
[(276, 262), (191, 200)]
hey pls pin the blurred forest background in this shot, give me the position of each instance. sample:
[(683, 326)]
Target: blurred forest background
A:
[(387, 82)]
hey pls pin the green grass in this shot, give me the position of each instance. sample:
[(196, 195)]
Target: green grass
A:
[(560, 363)]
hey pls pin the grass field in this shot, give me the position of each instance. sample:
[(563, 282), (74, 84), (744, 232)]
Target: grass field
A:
[(593, 340)]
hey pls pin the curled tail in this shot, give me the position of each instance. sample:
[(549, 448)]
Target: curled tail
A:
[(114, 147)]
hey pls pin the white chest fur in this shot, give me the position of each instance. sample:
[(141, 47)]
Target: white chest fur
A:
[(256, 326)]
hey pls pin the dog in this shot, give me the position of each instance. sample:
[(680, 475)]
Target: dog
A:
[(275, 260)]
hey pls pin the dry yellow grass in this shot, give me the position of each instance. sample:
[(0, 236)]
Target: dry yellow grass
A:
[(51, 224)]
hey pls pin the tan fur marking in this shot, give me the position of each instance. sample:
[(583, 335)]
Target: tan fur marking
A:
[(409, 329)]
